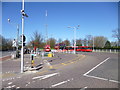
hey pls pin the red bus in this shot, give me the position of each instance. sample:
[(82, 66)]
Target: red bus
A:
[(84, 48), (47, 48), (80, 48), (60, 46)]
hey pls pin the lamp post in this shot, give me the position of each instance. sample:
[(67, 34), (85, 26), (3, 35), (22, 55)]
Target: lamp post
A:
[(17, 38), (93, 43), (74, 29), (22, 49)]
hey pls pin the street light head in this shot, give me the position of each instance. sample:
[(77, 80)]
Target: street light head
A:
[(23, 13), (8, 20)]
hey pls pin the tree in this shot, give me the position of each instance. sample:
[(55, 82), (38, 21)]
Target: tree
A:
[(116, 34), (78, 42), (89, 39), (99, 41), (107, 44), (85, 42), (37, 40), (66, 42), (52, 42), (6, 44), (59, 40)]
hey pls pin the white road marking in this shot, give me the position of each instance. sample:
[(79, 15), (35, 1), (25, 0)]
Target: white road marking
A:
[(99, 77), (13, 85), (8, 87), (102, 78), (9, 83), (60, 83), (96, 66), (45, 76), (17, 87), (83, 88), (114, 81)]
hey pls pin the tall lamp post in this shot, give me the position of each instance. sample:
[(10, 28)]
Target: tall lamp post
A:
[(93, 43), (17, 38), (22, 53), (74, 29)]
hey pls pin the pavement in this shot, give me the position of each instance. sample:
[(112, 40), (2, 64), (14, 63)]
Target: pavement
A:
[(82, 71)]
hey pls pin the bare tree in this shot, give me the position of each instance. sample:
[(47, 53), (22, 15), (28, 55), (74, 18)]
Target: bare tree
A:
[(59, 40), (99, 41), (67, 42), (116, 34), (79, 42), (84, 42), (37, 40), (6, 44), (52, 42), (89, 39)]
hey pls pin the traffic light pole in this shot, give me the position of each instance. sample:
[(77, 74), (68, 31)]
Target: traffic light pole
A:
[(22, 49)]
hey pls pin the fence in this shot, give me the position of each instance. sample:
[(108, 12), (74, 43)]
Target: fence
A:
[(107, 50)]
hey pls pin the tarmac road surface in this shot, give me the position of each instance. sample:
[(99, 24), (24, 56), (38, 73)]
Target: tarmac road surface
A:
[(84, 70)]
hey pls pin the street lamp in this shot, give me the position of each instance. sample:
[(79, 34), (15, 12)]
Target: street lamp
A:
[(22, 53), (74, 29), (17, 38), (93, 43)]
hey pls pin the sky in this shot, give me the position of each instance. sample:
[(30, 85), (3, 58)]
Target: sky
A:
[(94, 18)]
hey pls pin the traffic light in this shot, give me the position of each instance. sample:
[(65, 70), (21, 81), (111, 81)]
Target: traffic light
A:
[(24, 38), (24, 44)]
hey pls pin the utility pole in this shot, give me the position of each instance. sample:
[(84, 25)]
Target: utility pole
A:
[(17, 36), (22, 49), (74, 40), (74, 29), (22, 52), (46, 28), (93, 43)]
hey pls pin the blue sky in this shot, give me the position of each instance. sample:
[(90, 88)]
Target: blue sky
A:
[(94, 18)]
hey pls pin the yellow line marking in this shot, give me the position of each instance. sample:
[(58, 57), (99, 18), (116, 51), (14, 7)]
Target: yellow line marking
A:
[(42, 72), (63, 63), (8, 75), (72, 61)]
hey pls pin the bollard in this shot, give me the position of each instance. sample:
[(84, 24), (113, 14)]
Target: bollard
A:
[(110, 50), (32, 61)]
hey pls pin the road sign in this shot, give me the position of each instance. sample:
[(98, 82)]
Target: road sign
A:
[(14, 43)]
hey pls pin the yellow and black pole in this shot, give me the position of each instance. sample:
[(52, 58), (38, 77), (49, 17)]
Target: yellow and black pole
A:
[(32, 61)]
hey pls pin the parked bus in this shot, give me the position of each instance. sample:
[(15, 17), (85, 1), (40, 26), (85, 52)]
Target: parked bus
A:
[(47, 48)]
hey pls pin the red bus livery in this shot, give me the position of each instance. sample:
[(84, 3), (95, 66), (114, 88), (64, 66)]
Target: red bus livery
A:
[(84, 48), (78, 48)]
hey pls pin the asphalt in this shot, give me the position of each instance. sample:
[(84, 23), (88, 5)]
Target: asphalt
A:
[(67, 71)]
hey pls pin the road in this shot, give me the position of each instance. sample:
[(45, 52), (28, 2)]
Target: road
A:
[(5, 53), (81, 71)]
